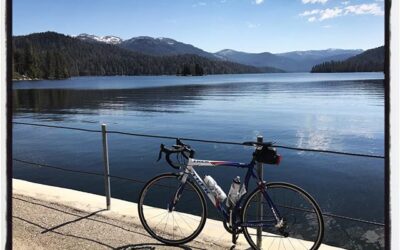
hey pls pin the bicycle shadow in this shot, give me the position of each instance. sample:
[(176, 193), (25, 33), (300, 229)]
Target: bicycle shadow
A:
[(44, 230), (79, 217), (62, 234), (152, 246)]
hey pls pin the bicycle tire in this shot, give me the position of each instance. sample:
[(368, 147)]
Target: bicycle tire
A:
[(271, 235), (153, 231)]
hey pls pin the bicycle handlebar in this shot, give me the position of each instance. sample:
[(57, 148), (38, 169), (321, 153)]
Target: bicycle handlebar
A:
[(187, 151), (178, 148)]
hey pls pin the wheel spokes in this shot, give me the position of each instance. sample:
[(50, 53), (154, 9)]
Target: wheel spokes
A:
[(302, 223), (176, 225)]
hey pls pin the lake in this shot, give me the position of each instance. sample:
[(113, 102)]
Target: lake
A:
[(341, 111)]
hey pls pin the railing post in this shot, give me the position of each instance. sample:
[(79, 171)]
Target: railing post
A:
[(260, 173), (106, 166)]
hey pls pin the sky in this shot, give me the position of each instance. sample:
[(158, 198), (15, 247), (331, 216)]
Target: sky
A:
[(212, 25)]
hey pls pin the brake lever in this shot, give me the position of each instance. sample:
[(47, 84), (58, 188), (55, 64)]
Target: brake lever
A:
[(161, 151)]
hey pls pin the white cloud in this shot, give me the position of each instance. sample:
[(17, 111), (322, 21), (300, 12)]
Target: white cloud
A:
[(251, 25), (258, 1), (322, 14), (310, 12), (365, 9), (312, 19), (314, 1), (329, 13), (346, 2)]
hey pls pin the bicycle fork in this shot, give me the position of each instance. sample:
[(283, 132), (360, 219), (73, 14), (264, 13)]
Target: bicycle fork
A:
[(178, 193)]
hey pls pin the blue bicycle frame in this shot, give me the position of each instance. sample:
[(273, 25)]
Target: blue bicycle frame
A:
[(189, 172)]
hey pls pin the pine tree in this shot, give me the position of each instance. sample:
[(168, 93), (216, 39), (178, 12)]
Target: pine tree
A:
[(50, 66), (198, 70), (186, 70), (31, 68)]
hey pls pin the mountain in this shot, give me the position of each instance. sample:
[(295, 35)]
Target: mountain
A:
[(51, 55), (102, 39), (160, 46), (163, 47), (295, 61), (371, 60), (318, 54), (307, 59), (258, 59)]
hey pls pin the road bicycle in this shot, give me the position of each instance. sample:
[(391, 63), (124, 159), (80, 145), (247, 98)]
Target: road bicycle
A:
[(172, 206)]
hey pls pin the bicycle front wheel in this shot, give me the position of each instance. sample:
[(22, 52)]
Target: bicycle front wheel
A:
[(301, 226), (172, 226)]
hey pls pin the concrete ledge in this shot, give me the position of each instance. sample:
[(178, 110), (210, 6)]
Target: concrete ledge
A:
[(213, 231)]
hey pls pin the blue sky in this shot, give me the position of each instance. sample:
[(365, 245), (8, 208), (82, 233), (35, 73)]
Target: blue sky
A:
[(244, 25)]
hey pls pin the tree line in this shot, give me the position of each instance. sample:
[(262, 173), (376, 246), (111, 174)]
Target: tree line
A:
[(372, 60), (52, 55)]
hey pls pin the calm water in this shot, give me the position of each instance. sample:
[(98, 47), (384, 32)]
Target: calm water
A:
[(343, 112)]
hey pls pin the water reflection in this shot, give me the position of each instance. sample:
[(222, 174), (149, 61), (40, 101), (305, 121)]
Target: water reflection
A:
[(177, 98), (315, 114), (74, 101)]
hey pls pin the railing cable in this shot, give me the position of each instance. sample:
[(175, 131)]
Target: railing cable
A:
[(55, 167), (330, 152), (82, 172), (205, 141), (354, 219), (75, 171), (56, 126)]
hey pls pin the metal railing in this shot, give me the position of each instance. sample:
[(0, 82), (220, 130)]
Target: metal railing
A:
[(107, 176), (202, 140)]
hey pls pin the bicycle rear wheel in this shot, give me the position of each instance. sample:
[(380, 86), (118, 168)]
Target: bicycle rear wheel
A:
[(302, 219), (180, 225)]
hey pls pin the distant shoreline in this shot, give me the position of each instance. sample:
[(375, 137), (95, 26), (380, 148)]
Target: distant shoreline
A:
[(56, 79)]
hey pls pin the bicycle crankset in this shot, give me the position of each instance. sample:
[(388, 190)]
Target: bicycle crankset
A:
[(229, 228)]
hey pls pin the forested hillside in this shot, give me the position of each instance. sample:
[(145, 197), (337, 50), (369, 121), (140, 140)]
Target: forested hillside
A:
[(51, 55), (369, 61)]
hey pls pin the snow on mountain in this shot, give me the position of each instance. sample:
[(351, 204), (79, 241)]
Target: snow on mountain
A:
[(226, 52), (111, 39), (163, 46), (102, 39), (321, 53)]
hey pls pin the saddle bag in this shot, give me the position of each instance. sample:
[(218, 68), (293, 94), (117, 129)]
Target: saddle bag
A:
[(267, 155)]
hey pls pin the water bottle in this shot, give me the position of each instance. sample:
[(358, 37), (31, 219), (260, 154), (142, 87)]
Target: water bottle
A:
[(234, 192), (214, 188)]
